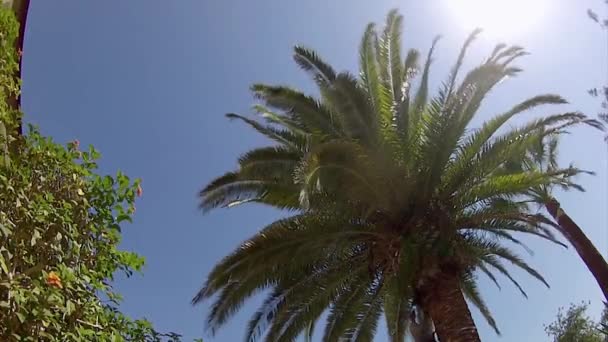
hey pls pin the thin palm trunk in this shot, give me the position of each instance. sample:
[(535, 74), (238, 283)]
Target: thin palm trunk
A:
[(445, 303), (583, 246)]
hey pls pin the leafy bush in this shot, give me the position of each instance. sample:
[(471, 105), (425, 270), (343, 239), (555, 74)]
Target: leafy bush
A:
[(60, 226), (573, 325)]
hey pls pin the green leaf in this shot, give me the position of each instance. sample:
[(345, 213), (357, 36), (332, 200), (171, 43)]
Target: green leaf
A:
[(35, 237), (3, 264), (6, 231), (70, 307), (124, 217)]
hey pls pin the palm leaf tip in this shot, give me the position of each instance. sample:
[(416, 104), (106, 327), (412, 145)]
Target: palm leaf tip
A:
[(470, 290), (595, 124), (434, 44), (389, 54), (460, 60), (200, 296), (411, 61), (393, 12), (421, 96), (211, 195), (310, 61), (508, 55), (515, 260), (497, 49), (546, 99)]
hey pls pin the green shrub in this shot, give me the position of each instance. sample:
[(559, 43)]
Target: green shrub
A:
[(60, 226)]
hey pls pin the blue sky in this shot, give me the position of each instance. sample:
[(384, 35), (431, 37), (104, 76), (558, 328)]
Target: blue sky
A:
[(148, 81)]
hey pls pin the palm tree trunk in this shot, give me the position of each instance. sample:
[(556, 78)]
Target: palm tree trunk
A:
[(445, 303), (583, 246)]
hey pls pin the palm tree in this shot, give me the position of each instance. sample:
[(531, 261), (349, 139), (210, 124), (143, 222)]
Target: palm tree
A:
[(592, 258), (543, 158), (395, 202)]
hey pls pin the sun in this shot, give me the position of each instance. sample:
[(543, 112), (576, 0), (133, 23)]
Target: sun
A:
[(499, 18)]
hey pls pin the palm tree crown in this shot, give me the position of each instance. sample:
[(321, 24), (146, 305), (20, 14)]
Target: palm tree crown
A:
[(396, 202)]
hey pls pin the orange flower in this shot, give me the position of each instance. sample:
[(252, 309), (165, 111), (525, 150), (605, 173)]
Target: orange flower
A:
[(53, 280), (140, 191)]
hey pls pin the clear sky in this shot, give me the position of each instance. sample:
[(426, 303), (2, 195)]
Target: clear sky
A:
[(148, 81)]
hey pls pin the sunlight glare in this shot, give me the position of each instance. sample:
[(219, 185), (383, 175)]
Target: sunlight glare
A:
[(499, 18)]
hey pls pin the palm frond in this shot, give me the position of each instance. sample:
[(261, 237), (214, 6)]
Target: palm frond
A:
[(282, 120), (377, 90), (304, 235), (460, 108), (308, 333), (421, 96), (471, 292), (349, 99), (397, 307), (309, 61), (355, 314), (367, 317), (232, 297), (293, 319), (230, 192), (269, 163), (454, 73), (338, 167), (283, 137), (492, 261), (263, 316), (515, 260), (389, 56), (513, 145), (482, 267), (497, 49), (477, 140), (410, 69), (302, 109)]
